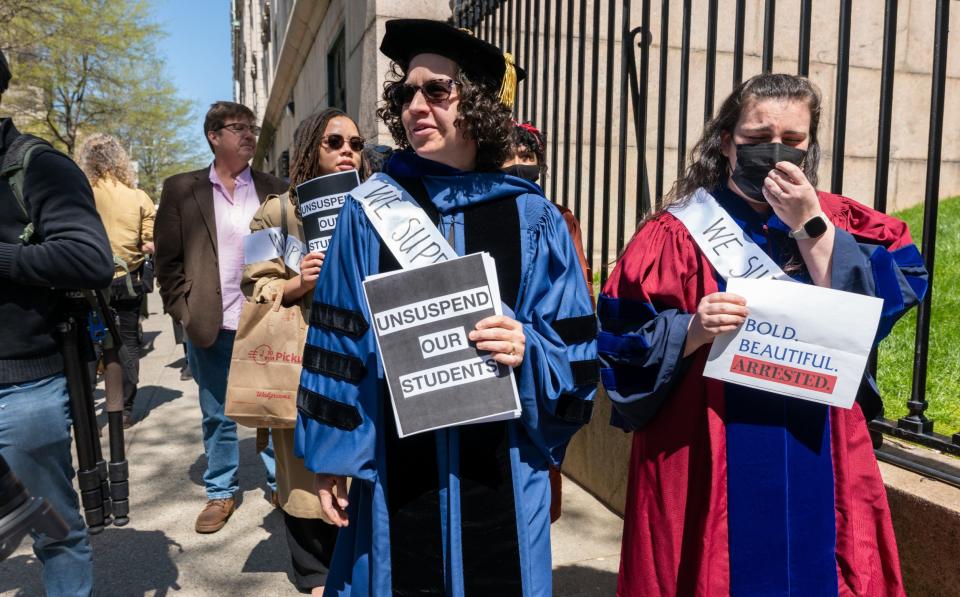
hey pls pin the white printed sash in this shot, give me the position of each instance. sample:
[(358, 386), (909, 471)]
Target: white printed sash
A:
[(401, 223), (731, 252)]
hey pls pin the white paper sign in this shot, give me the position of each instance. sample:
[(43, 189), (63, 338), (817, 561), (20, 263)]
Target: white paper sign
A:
[(421, 317), (799, 340), (269, 243)]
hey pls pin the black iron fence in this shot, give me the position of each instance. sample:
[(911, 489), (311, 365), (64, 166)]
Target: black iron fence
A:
[(599, 150)]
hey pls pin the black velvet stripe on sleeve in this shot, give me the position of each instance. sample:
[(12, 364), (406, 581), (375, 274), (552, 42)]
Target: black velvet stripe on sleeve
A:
[(574, 330), (327, 410), (334, 364), (351, 323), (585, 372), (573, 409)]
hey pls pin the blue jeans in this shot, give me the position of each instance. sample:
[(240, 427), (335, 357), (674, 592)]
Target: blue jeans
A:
[(35, 442), (210, 367)]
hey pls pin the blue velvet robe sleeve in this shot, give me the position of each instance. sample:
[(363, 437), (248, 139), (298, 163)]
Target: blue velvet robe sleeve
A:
[(335, 431), (644, 312), (559, 375), (642, 357), (898, 277)]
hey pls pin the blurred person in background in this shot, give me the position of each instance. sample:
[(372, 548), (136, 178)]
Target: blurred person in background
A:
[(127, 214)]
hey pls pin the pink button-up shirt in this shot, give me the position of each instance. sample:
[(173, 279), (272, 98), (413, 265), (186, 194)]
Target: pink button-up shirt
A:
[(233, 214)]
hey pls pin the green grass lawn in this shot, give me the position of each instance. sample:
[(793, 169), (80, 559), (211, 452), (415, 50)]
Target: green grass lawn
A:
[(895, 370)]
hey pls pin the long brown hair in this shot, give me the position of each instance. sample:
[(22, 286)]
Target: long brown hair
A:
[(305, 164), (709, 168)]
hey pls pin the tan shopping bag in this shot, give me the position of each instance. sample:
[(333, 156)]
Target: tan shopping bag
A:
[(265, 365)]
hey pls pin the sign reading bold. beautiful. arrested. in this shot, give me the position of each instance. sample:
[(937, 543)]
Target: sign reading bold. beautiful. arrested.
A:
[(320, 201), (799, 340), (436, 376)]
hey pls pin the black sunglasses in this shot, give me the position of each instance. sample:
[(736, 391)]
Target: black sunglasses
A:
[(335, 142), (435, 91)]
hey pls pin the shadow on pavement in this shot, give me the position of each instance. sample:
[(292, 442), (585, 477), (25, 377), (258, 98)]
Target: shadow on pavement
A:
[(147, 399), (178, 364), (271, 555), (146, 345), (150, 398), (576, 580), (126, 562)]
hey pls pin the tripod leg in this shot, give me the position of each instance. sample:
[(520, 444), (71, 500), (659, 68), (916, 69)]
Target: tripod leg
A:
[(118, 471), (81, 400), (98, 451)]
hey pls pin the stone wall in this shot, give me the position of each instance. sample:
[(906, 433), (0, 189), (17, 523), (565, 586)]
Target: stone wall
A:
[(300, 36)]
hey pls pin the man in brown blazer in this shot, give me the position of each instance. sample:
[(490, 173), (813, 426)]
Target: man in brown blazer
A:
[(199, 231)]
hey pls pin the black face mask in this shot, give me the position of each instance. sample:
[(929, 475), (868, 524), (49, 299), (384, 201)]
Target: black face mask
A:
[(529, 172), (754, 163)]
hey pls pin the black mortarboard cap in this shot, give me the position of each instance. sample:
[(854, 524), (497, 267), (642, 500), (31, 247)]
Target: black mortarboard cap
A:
[(406, 38), (5, 74)]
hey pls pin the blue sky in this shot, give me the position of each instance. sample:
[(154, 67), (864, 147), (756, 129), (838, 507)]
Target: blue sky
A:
[(197, 48)]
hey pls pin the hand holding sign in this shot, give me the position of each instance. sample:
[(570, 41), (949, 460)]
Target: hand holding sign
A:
[(799, 340), (502, 337), (310, 269), (717, 313)]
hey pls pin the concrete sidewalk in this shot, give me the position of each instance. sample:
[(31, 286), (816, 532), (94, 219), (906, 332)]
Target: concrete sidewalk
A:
[(159, 553)]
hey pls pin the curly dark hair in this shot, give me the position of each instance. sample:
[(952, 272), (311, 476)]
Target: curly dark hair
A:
[(481, 115), (709, 168)]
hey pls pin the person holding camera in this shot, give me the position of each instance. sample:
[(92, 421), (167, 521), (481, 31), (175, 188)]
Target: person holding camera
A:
[(128, 214), (51, 238)]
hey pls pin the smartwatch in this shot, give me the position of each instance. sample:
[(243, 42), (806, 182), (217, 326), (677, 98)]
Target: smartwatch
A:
[(812, 228)]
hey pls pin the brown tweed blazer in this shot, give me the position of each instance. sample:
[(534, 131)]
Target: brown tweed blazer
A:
[(185, 236)]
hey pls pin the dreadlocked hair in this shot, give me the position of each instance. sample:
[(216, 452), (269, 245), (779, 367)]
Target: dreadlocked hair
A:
[(709, 168), (305, 164), (481, 116)]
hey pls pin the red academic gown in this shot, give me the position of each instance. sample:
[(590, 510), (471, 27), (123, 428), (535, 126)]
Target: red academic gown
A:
[(677, 536)]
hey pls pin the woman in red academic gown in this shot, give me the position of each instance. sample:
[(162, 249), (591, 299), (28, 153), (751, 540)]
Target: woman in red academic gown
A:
[(733, 490)]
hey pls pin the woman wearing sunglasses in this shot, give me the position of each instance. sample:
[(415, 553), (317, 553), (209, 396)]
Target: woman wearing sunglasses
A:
[(463, 510), (325, 143)]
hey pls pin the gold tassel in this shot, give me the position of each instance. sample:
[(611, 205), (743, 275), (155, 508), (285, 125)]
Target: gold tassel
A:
[(508, 90)]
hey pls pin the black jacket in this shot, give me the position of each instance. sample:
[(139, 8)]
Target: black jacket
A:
[(69, 250)]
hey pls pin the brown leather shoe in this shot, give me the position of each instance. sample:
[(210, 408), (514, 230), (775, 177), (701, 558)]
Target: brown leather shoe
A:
[(215, 515)]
